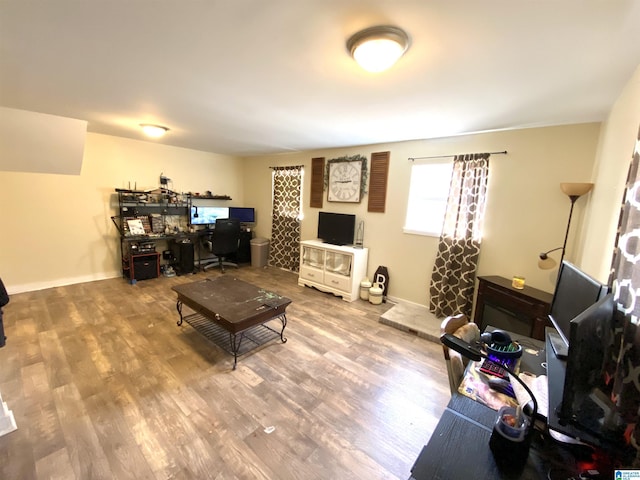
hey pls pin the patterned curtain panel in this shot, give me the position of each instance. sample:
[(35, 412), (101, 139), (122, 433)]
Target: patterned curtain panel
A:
[(625, 276), (284, 251), (453, 278)]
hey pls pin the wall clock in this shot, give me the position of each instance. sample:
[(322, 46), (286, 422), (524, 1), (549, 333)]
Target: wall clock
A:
[(344, 181)]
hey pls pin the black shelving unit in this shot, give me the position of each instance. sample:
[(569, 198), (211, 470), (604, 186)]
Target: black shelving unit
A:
[(152, 208)]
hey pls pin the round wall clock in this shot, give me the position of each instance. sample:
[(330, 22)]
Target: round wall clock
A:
[(344, 181)]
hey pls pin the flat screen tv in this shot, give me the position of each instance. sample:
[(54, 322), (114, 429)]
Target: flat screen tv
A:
[(244, 214), (336, 228), (575, 292), (207, 215)]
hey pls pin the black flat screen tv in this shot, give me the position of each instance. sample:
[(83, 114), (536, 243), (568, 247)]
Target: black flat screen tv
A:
[(575, 292), (336, 228)]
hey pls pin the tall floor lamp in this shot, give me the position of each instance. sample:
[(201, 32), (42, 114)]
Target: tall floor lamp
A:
[(574, 191)]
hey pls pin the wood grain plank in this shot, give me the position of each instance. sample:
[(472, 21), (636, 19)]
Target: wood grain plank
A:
[(104, 384)]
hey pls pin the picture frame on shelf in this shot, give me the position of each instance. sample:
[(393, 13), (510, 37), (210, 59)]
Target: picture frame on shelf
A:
[(135, 226)]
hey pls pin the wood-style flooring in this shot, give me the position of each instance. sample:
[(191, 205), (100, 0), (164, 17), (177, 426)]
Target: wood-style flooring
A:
[(104, 385)]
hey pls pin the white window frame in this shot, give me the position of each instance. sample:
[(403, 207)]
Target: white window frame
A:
[(428, 194)]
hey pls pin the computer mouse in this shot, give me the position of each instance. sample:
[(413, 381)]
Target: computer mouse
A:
[(501, 385)]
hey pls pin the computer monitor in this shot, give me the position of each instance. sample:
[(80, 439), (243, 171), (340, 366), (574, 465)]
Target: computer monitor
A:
[(244, 214), (575, 292), (586, 392), (201, 215), (585, 409)]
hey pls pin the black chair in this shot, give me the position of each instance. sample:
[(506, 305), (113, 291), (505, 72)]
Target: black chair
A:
[(224, 243)]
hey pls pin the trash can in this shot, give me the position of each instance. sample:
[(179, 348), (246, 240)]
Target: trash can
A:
[(259, 252)]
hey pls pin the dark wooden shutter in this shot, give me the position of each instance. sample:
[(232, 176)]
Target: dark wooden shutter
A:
[(379, 172), (317, 182)]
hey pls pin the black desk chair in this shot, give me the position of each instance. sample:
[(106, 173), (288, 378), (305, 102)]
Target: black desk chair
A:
[(224, 243)]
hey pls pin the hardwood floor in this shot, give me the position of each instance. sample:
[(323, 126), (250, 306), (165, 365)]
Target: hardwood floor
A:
[(104, 384)]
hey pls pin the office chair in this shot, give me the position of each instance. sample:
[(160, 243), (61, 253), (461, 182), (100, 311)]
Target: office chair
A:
[(224, 243)]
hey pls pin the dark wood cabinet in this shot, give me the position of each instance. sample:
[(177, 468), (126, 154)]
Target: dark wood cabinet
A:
[(520, 311)]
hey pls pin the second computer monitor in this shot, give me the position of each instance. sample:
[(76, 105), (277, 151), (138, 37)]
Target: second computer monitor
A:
[(244, 214)]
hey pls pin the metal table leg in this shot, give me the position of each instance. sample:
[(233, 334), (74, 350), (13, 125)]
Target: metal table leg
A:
[(179, 308)]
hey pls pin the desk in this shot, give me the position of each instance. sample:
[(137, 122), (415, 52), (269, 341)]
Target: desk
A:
[(228, 305), (244, 247), (459, 449), (129, 251), (186, 249), (459, 445)]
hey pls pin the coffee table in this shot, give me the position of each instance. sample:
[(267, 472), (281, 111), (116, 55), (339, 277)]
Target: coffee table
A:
[(232, 313)]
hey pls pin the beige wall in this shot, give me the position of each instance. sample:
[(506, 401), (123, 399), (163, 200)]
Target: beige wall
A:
[(615, 150), (526, 212), (56, 229)]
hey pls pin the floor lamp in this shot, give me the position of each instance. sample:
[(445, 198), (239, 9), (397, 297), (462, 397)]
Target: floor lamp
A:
[(574, 191)]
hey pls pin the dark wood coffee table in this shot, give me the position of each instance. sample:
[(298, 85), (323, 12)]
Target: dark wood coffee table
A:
[(232, 313)]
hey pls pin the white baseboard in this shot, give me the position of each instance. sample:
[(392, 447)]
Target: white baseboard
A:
[(402, 300), (60, 282)]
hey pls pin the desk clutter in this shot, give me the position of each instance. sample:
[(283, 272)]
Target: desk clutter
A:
[(489, 382), (142, 247), (181, 225), (508, 439), (500, 391)]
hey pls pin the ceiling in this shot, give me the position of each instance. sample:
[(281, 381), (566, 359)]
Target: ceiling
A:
[(250, 77)]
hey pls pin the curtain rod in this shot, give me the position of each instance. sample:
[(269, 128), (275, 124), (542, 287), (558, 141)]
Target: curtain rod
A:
[(446, 156)]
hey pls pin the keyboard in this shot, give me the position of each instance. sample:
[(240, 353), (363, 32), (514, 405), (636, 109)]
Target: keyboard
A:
[(492, 368)]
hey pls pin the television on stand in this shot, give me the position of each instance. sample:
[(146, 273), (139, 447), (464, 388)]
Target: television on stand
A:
[(336, 228)]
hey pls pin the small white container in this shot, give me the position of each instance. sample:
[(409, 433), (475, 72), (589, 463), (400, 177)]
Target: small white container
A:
[(365, 285), (375, 295)]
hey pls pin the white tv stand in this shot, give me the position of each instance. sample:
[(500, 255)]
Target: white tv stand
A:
[(332, 268)]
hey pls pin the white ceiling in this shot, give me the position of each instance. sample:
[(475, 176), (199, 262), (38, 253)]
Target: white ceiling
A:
[(251, 77)]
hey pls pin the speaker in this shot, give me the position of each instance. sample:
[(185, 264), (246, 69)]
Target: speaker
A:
[(143, 266), (183, 254)]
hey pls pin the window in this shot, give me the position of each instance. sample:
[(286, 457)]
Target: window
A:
[(428, 193)]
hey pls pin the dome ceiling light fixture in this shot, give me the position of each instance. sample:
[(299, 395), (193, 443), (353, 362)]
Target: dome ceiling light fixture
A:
[(377, 48), (155, 131)]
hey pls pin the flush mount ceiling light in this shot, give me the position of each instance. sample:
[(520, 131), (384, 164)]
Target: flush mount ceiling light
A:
[(155, 131), (378, 48)]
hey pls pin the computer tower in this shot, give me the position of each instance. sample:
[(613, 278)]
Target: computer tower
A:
[(244, 248), (183, 256)]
